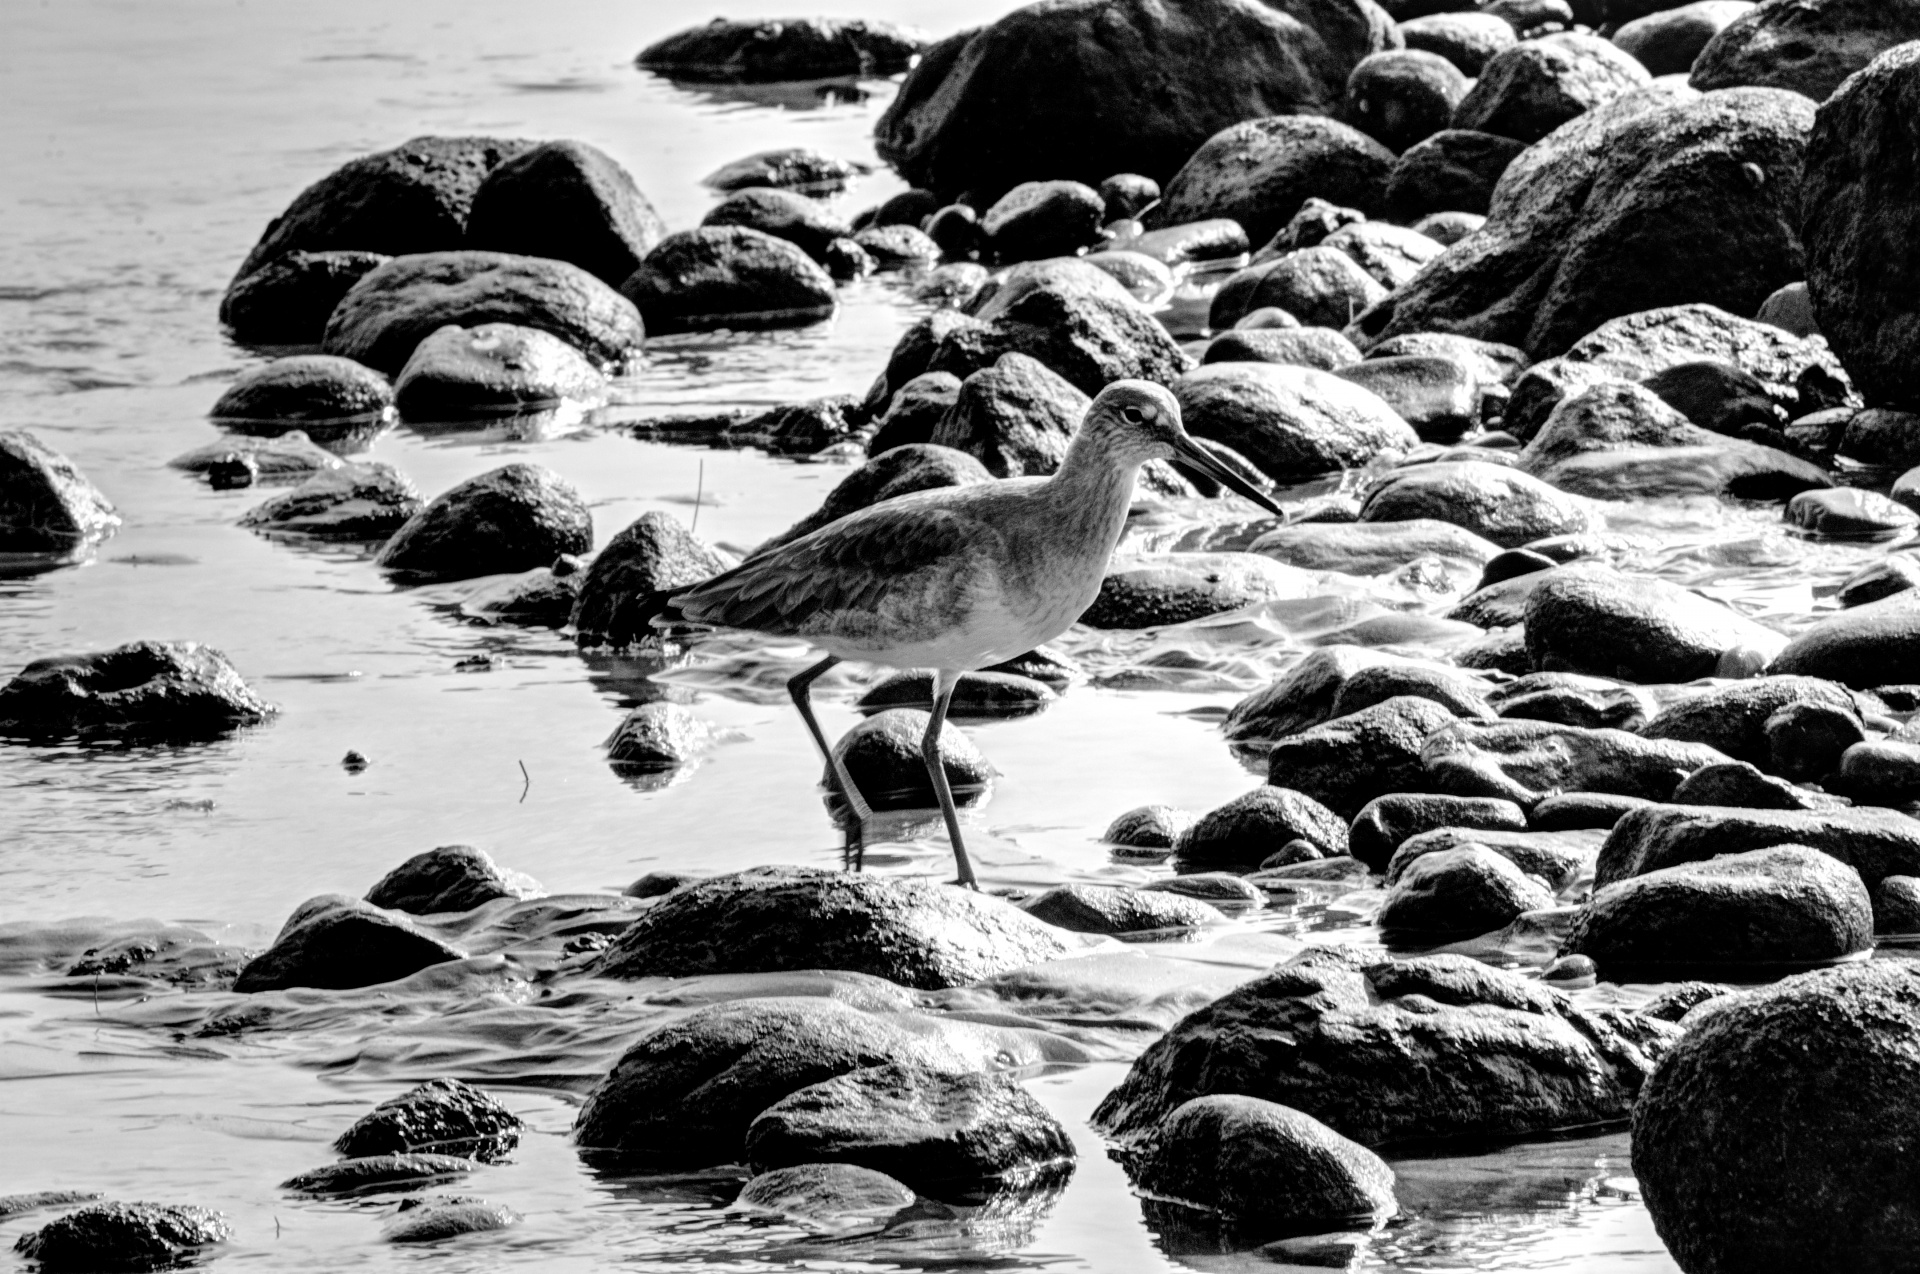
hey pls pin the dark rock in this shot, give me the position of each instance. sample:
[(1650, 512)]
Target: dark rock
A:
[(882, 757), (1109, 910), (413, 198), (656, 738), (180, 690), (434, 1220), (1435, 1047), (288, 456), (1881, 772), (1039, 219), (945, 1135), (806, 223), (632, 578), (1449, 228), (46, 503), (1388, 821), (395, 307), (1350, 760), (728, 276), (339, 943), (1439, 397), (1320, 348), (1668, 42), (1211, 240), (1591, 618), (377, 1174), (977, 696), (1282, 862), (657, 883), (1895, 573), (123, 1236), (1248, 828), (1531, 17), (800, 429), (1369, 548), (1896, 905), (914, 411), (956, 229), (1469, 40), (772, 50), (1523, 761), (570, 202), (233, 472), (774, 919), (1315, 223), (1016, 418), (1221, 890), (893, 247), (1321, 286), (1874, 842), (1720, 396), (1490, 364), (1495, 502), (1030, 97), (1737, 783), (1865, 646), (1460, 892), (1806, 47), (1579, 811), (458, 372), (1125, 195), (304, 387), (1178, 588), (1403, 96), (1293, 422), (1453, 170), (1774, 1135), (845, 260), (1260, 1169), (286, 300), (1847, 513), (513, 518), (1259, 172), (1737, 718), (1559, 859), (368, 501), (1148, 827), (897, 471), (1529, 90), (1680, 998), (450, 878), (1299, 699), (830, 1194), (1882, 438), (793, 168)]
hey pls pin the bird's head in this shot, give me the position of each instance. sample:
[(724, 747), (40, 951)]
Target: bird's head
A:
[(1134, 421)]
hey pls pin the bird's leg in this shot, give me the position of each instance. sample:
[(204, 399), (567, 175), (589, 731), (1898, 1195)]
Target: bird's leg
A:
[(943, 684), (797, 686)]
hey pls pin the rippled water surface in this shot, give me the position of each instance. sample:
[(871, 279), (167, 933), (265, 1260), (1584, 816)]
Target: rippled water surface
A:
[(144, 147)]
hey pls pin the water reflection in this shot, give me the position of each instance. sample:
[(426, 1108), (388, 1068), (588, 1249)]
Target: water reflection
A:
[(787, 95)]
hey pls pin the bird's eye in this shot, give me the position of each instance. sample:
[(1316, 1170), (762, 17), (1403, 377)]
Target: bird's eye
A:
[(1133, 415)]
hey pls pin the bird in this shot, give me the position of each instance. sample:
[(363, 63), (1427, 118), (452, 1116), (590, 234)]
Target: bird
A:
[(956, 579)]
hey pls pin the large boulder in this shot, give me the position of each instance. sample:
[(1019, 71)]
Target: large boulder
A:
[(339, 943), (146, 688), (46, 503), (1293, 422), (1531, 89), (630, 580), (1876, 843), (1659, 198), (1781, 906), (728, 276), (1863, 646), (1862, 207), (393, 308), (1429, 1048), (1776, 1135), (1524, 761), (1590, 618), (1031, 96), (568, 201), (460, 372), (773, 919), (1259, 173), (773, 50), (513, 518), (1807, 46), (287, 300), (1494, 501)]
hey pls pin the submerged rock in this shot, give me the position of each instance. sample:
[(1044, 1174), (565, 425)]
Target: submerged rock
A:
[(432, 1220), (366, 501), (285, 457), (630, 580), (768, 50), (773, 919), (789, 168), (459, 372), (450, 878), (657, 737), (374, 1174), (46, 503), (882, 756), (124, 1236), (178, 689), (513, 518), (728, 277), (304, 387), (1107, 909), (828, 1194), (444, 1116), (340, 943)]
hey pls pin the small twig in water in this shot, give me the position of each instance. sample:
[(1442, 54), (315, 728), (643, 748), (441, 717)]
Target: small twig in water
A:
[(699, 490), (525, 785)]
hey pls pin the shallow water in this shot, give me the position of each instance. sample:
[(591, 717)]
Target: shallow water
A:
[(145, 146)]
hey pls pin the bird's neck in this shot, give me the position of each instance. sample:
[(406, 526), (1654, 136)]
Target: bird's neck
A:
[(1090, 495)]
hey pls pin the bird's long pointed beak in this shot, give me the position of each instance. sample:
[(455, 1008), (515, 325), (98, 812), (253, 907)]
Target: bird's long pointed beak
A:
[(1189, 452)]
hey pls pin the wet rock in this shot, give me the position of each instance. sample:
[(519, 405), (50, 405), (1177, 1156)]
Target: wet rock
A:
[(1558, 859), (1495, 502), (1469, 40), (286, 301), (1211, 240), (897, 471), (450, 878), (1896, 905), (1464, 891), (656, 738), (1529, 90), (1583, 224), (1680, 998), (1721, 397), (806, 223), (1490, 363), (1352, 759), (178, 689), (1299, 699), (978, 695), (1668, 42), (1038, 219), (1390, 254), (375, 1174), (896, 247), (1385, 822), (1247, 829), (1148, 827), (656, 883), (46, 504), (338, 943), (1737, 718), (1895, 573), (1092, 333), (1881, 772), (1015, 417), (1320, 348), (513, 518), (914, 412), (457, 372), (834, 1195), (964, 118), (1259, 172), (846, 260), (1874, 842), (1321, 286), (728, 277), (124, 1236), (432, 1220), (1403, 96), (443, 1116), (1453, 170), (882, 757), (1369, 548), (1260, 1168), (15, 1205), (304, 387), (632, 578), (1434, 1047), (1591, 618), (1438, 397), (567, 201), (789, 168), (367, 501), (1863, 647), (1109, 910), (1773, 1135), (1218, 889), (800, 429), (288, 456), (1177, 588), (1575, 811), (1809, 48), (772, 919), (1737, 783), (1567, 698), (1849, 514), (1880, 437), (1293, 422), (413, 198), (1523, 761), (772, 50), (1315, 223)]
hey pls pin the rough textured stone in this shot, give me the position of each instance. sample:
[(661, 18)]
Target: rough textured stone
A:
[(1523, 761), (444, 1116), (459, 372), (367, 501), (1454, 170), (1438, 397), (897, 471), (807, 224), (1391, 254), (1388, 821), (434, 1220), (304, 387), (728, 276), (1259, 173), (1039, 219), (378, 1174), (630, 580), (1529, 90), (1293, 422), (1320, 348), (1091, 333), (1148, 827), (1591, 618), (1467, 39), (1402, 96), (1807, 46), (1559, 859), (123, 1236), (339, 943), (1298, 699), (513, 518), (882, 755), (286, 300), (1248, 828), (1737, 717), (158, 689), (790, 168), (1876, 843), (1496, 502), (568, 201), (771, 50), (1350, 760), (1464, 891), (1016, 418), (450, 878), (1320, 286), (46, 503)]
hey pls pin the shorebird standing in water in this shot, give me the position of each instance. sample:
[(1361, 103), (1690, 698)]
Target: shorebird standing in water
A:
[(958, 578)]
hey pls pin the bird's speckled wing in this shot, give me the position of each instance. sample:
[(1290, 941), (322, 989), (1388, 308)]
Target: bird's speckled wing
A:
[(905, 562)]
